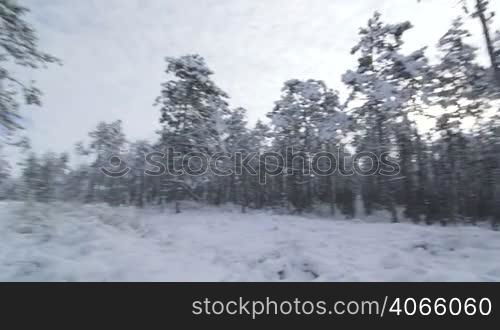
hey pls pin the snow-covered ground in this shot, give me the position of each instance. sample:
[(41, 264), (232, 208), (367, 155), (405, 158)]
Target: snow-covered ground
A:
[(99, 243)]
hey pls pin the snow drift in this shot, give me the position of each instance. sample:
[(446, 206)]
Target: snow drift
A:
[(65, 242)]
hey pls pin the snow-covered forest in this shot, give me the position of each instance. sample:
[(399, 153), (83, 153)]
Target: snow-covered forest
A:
[(398, 201)]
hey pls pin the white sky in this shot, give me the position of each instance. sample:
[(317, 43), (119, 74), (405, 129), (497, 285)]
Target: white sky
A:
[(113, 53)]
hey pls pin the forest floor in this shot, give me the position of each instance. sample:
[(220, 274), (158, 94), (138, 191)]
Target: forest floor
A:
[(67, 242)]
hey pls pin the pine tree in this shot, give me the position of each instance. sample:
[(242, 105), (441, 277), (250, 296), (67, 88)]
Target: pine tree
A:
[(485, 16), (487, 169), (461, 89), (76, 184), (53, 170), (192, 113), (137, 180), (32, 182), (260, 141), (298, 119), (389, 83), (461, 84), (107, 141), (236, 142), (18, 47)]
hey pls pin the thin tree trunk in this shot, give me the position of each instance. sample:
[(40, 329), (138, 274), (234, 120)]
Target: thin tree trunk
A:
[(487, 38)]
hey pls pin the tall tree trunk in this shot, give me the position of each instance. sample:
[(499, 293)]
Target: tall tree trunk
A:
[(481, 14)]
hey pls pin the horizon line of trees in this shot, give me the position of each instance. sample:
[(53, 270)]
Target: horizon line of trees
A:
[(450, 174)]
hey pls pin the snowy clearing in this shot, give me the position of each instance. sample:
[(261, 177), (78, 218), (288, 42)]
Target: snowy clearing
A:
[(99, 243)]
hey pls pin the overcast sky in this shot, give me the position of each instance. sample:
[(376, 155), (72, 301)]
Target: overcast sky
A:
[(113, 53)]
